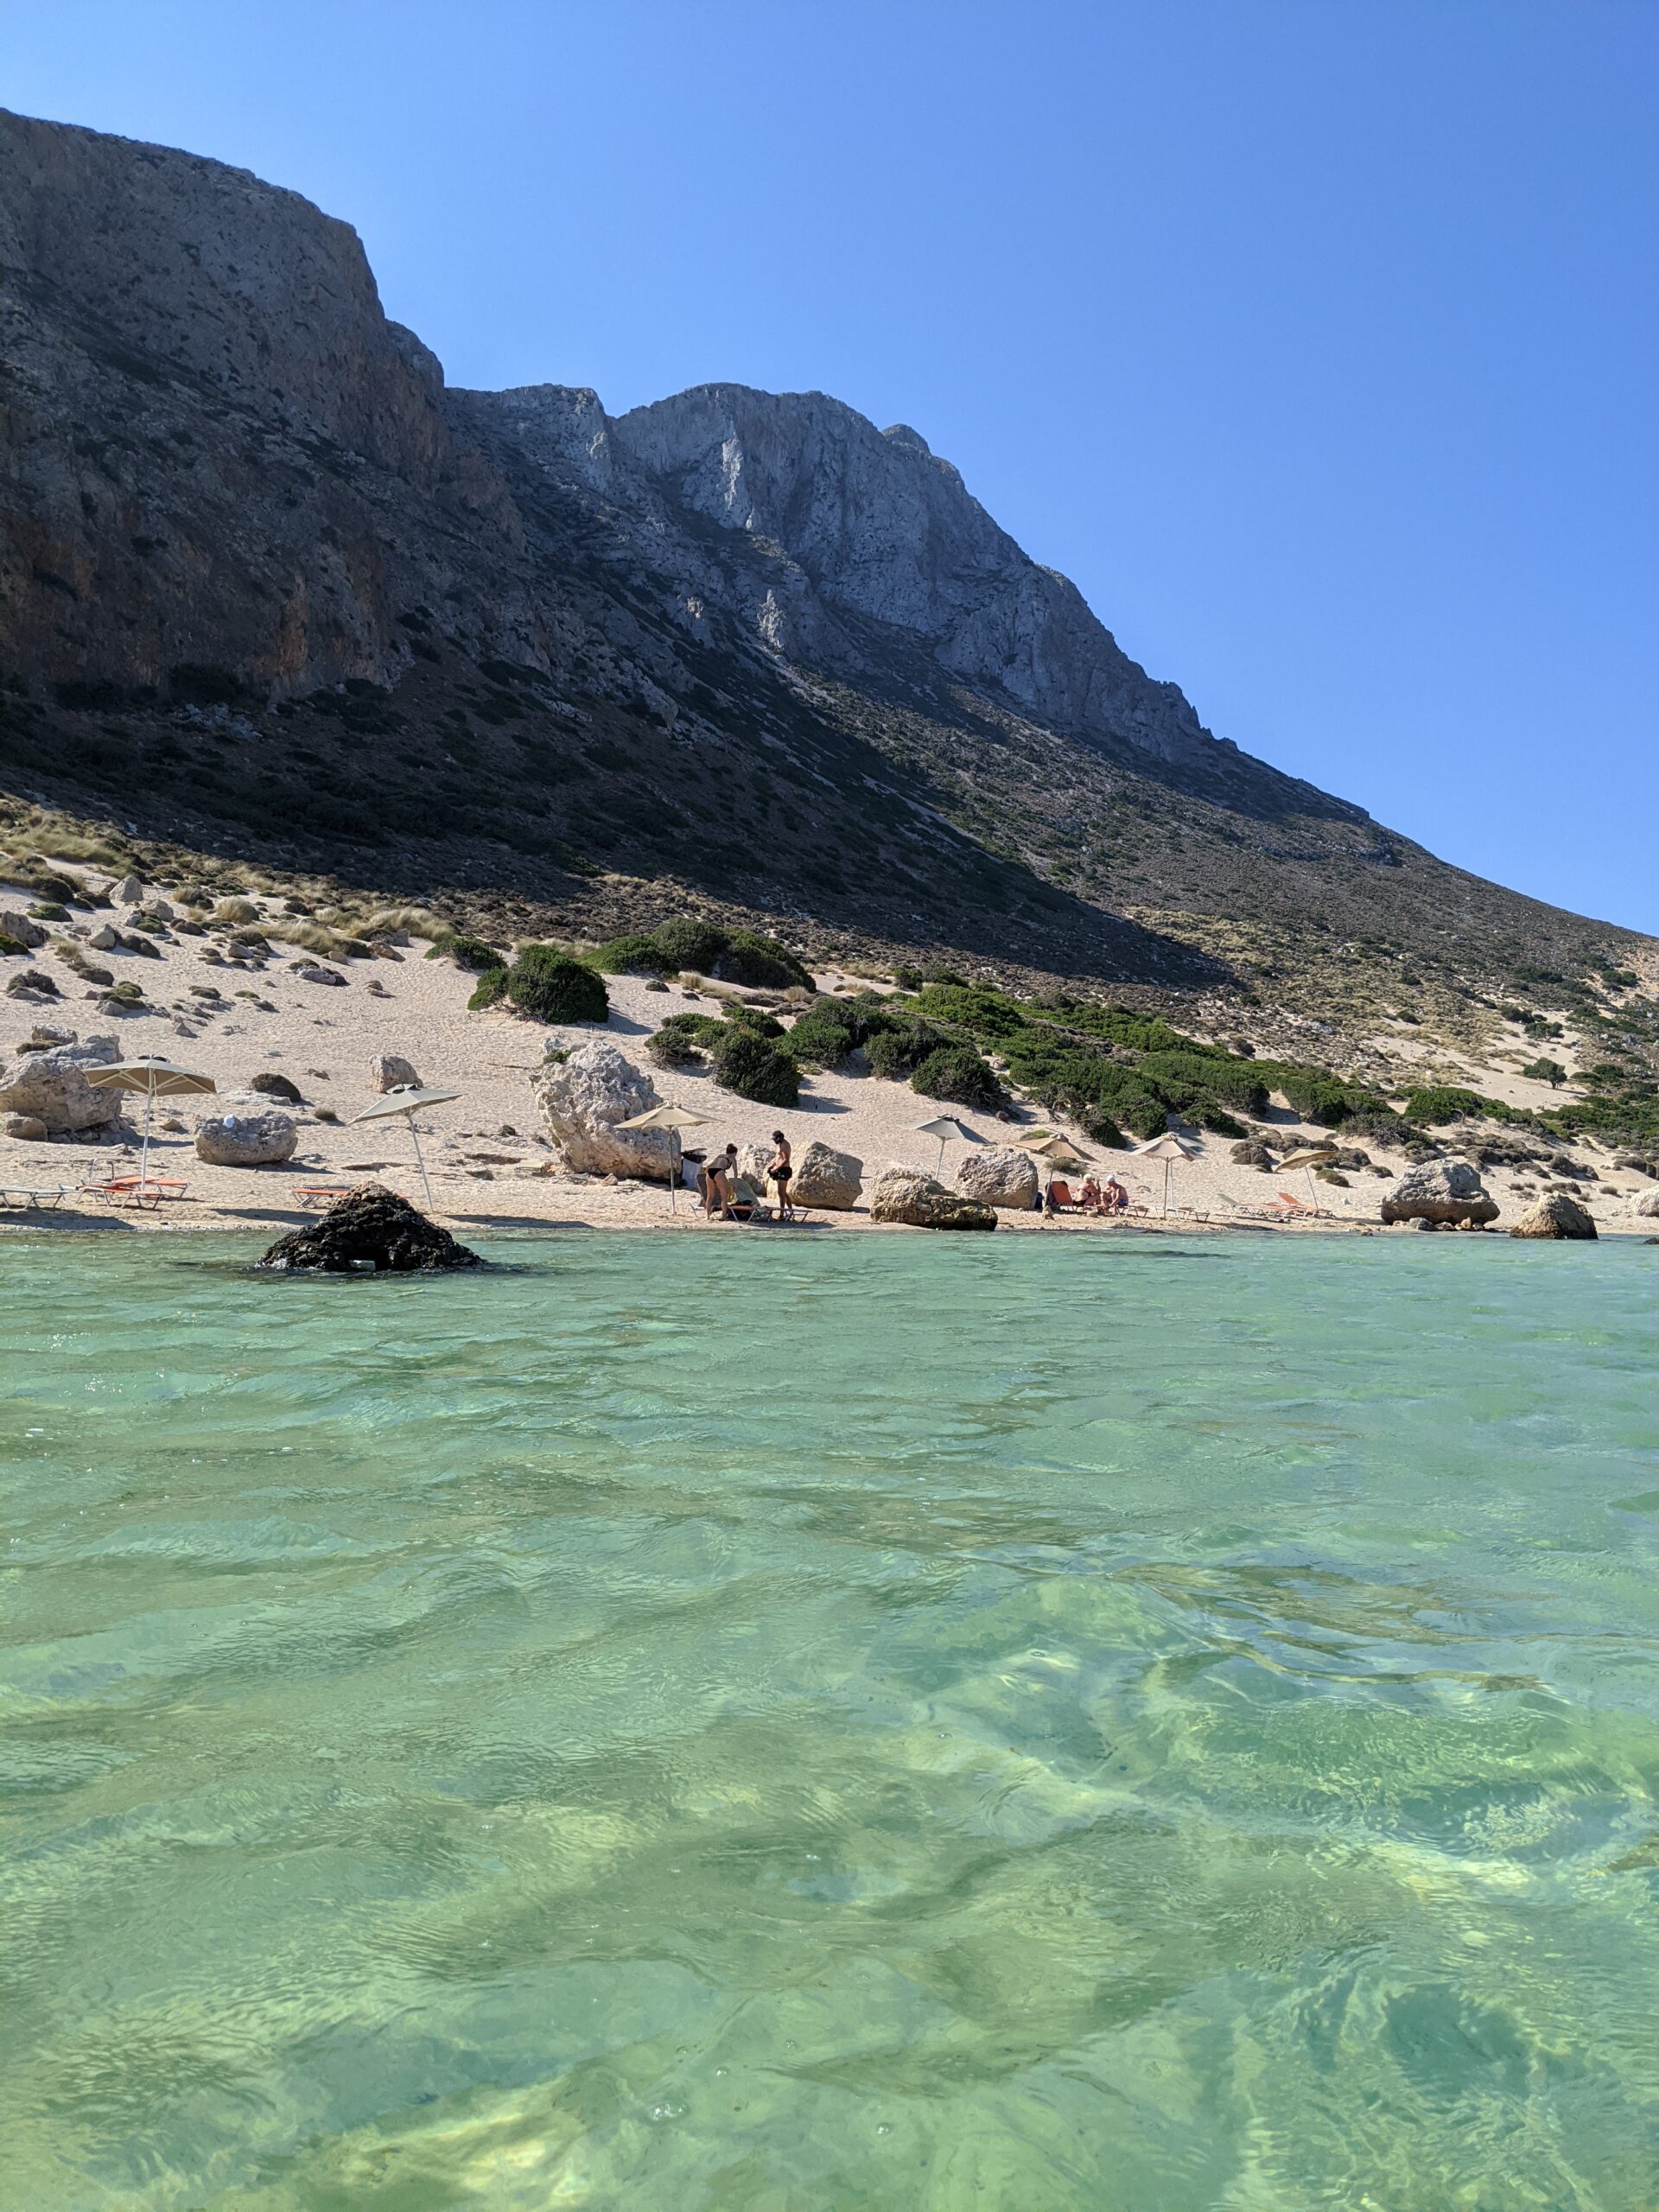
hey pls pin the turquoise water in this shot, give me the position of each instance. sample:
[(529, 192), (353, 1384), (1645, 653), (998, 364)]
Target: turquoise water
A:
[(831, 1721)]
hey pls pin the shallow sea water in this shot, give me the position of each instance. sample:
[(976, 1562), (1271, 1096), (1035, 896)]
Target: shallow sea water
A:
[(833, 1721)]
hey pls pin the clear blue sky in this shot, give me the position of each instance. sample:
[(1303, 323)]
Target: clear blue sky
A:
[(1315, 339)]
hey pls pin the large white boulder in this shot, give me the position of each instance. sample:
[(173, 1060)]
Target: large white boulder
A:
[(826, 1178), (52, 1086), (1558, 1218), (583, 1097), (22, 929), (245, 1130), (391, 1071), (1440, 1190), (1645, 1205), (910, 1195), (998, 1175)]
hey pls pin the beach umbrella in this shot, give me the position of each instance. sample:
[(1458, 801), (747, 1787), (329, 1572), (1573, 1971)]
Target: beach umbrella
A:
[(672, 1118), (156, 1078), (1311, 1157), (947, 1127), (1169, 1149), (407, 1099), (1055, 1151)]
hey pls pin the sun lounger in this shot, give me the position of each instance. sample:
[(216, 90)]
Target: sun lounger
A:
[(138, 1190), (25, 1198), (324, 1194), (1060, 1199)]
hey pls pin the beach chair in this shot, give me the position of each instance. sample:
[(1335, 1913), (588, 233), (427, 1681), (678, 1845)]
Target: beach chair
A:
[(138, 1190), (324, 1194), (1299, 1209), (24, 1197), (1060, 1199)]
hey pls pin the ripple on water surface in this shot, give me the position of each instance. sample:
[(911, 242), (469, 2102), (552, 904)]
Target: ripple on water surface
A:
[(833, 1721)]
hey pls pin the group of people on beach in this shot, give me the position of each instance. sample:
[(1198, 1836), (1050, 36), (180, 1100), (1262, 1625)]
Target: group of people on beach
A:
[(1103, 1198), (726, 1192)]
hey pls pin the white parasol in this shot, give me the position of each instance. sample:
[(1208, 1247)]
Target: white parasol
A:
[(672, 1118), (407, 1099), (1169, 1149), (156, 1078), (948, 1129)]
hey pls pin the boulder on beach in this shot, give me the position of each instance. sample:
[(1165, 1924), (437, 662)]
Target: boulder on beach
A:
[(911, 1196), (1440, 1190), (1250, 1152), (28, 1129), (1557, 1217), (22, 929), (370, 1231), (245, 1130), (269, 1084), (826, 1178), (52, 1086), (584, 1096), (754, 1160), (1647, 1205), (391, 1071), (999, 1175)]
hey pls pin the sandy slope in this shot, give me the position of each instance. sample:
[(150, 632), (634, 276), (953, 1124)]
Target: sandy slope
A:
[(489, 1163)]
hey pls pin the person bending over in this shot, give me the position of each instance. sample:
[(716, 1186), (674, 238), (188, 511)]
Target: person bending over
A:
[(717, 1178)]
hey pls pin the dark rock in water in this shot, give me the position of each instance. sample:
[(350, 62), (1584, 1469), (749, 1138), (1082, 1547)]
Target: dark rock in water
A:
[(371, 1228), (269, 1084)]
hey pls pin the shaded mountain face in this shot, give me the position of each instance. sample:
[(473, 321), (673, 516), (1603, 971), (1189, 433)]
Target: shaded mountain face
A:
[(269, 588)]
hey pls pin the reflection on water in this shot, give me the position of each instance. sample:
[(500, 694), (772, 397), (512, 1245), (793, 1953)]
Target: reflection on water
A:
[(839, 1722)]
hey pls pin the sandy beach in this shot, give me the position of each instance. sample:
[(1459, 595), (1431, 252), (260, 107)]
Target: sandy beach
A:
[(491, 1166)]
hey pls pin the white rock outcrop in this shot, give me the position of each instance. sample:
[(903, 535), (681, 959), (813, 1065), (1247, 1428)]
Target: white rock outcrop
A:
[(826, 1178), (582, 1100), (1440, 1190), (22, 929), (998, 1175), (52, 1086), (245, 1130), (910, 1195), (390, 1072)]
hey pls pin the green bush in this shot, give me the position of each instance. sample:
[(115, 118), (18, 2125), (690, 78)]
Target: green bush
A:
[(754, 1018), (959, 1074), (898, 1053), (1100, 1129), (754, 1068), (491, 989), (1549, 1072), (1448, 1101), (685, 1040), (1198, 1075), (831, 1030), (639, 953), (972, 1007), (689, 944), (760, 964), (470, 953), (549, 986)]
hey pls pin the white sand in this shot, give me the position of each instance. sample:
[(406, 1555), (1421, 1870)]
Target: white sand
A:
[(488, 1161)]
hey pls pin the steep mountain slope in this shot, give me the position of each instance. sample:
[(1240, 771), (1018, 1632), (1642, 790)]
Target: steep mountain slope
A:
[(270, 590)]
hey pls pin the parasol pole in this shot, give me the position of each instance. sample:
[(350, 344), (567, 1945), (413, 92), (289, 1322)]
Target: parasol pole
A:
[(431, 1203), (673, 1170), (143, 1156)]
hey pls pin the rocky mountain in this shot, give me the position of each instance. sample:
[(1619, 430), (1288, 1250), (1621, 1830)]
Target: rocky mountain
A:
[(271, 589)]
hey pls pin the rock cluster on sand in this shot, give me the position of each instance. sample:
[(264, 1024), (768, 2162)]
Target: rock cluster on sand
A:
[(904, 1194), (1557, 1217), (370, 1231), (391, 1071), (1439, 1191), (269, 1084), (583, 1097), (997, 1175), (1250, 1152), (245, 1131), (826, 1178), (52, 1086)]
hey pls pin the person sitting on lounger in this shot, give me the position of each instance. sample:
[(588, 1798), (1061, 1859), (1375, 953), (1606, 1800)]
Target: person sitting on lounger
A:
[(1089, 1197), (1114, 1198)]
